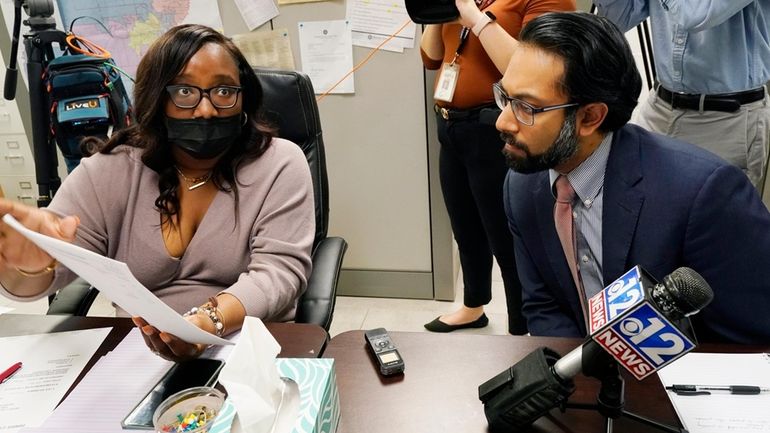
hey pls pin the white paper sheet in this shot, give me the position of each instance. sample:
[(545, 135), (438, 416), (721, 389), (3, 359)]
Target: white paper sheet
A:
[(109, 391), (113, 387), (269, 49), (327, 54), (721, 412), (371, 40), (257, 12), (381, 18), (51, 363), (115, 281)]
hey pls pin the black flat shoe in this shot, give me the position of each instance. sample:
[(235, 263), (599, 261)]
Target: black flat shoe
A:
[(439, 326)]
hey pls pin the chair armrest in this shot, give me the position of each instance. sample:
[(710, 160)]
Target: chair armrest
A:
[(74, 299), (317, 303)]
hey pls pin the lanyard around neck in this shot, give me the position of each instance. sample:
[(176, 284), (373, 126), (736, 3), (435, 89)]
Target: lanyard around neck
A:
[(463, 38)]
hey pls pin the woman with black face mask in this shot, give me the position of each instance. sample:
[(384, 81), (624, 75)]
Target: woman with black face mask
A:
[(166, 196)]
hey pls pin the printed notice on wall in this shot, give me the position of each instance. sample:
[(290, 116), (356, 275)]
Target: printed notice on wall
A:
[(267, 49), (327, 55)]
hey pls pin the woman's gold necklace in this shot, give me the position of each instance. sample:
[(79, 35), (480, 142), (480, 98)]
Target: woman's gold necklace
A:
[(195, 182)]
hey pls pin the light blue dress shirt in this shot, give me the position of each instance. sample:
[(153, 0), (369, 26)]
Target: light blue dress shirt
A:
[(702, 46), (587, 179)]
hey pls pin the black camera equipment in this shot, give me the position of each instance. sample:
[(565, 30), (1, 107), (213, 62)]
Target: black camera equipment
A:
[(432, 11), (77, 94), (542, 381), (38, 44)]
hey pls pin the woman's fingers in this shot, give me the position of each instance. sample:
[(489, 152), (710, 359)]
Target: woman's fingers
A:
[(167, 345), (18, 251), (152, 339), (181, 349), (67, 228)]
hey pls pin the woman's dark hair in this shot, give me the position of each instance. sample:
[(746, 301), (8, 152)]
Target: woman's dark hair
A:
[(164, 60), (598, 64)]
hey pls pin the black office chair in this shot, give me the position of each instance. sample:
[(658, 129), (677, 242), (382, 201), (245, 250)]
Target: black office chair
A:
[(289, 102)]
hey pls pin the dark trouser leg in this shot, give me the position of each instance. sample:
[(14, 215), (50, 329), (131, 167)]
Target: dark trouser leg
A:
[(467, 228), (472, 174)]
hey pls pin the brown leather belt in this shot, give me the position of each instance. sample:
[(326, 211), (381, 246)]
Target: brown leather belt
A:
[(452, 114), (727, 102)]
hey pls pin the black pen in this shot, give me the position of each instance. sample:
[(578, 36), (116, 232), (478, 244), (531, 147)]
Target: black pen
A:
[(707, 389)]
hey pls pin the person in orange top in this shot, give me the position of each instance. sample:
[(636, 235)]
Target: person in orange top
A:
[(472, 53)]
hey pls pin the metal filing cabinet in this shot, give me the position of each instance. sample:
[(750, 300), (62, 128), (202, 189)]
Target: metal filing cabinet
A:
[(17, 167)]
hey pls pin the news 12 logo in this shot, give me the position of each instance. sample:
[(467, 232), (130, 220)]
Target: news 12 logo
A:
[(628, 327)]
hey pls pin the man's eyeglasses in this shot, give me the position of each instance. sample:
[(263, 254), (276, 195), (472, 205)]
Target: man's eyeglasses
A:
[(524, 111), (186, 96)]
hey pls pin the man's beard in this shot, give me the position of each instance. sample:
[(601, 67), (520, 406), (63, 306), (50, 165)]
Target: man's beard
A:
[(563, 148)]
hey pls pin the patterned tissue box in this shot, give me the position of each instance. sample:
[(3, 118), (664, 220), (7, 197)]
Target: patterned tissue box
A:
[(319, 410)]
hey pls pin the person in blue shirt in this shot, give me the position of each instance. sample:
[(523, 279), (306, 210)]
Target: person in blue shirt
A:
[(713, 62)]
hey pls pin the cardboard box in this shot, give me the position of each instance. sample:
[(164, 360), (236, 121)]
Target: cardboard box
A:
[(319, 399)]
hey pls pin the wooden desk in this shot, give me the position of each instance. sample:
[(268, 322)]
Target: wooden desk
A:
[(439, 389), (297, 340)]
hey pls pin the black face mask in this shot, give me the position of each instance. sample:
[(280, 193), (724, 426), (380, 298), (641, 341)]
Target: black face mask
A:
[(204, 138)]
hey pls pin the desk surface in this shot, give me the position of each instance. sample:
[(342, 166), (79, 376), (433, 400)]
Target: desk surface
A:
[(297, 340), (439, 388)]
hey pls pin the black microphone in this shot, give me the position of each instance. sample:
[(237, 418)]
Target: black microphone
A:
[(633, 322)]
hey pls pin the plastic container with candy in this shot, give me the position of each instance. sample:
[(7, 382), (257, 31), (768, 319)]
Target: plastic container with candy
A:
[(190, 411)]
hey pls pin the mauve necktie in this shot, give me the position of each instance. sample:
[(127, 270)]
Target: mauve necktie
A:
[(565, 228)]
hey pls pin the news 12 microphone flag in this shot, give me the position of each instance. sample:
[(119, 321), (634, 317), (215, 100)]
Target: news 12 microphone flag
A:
[(624, 322)]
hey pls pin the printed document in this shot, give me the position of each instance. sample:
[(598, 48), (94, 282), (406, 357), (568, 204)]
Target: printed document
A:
[(380, 19), (257, 12), (267, 49), (51, 363), (116, 282), (109, 391), (721, 411), (326, 51)]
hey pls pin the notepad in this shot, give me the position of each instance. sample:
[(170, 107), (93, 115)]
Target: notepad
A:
[(721, 412)]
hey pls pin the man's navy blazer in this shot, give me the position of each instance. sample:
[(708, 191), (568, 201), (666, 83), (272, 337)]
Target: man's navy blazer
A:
[(667, 204)]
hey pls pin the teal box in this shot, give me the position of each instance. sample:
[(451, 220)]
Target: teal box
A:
[(319, 399), (319, 410)]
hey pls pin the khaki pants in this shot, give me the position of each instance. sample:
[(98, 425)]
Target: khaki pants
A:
[(741, 138)]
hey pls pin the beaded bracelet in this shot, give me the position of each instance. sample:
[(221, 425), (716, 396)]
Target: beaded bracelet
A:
[(51, 266), (211, 310)]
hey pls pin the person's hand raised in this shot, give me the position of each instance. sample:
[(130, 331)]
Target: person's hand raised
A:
[(16, 251), (168, 346), (469, 12)]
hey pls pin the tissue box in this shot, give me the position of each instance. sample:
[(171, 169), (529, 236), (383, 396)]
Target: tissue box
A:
[(320, 401), (319, 410)]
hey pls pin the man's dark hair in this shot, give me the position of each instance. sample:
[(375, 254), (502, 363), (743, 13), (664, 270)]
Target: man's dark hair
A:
[(598, 64), (164, 60)]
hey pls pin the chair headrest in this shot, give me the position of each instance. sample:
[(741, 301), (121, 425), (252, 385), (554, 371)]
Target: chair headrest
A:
[(289, 102)]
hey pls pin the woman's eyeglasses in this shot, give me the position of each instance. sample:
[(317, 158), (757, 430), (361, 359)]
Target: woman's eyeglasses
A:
[(186, 96)]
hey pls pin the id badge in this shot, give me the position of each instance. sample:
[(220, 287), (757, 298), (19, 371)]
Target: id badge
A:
[(447, 81)]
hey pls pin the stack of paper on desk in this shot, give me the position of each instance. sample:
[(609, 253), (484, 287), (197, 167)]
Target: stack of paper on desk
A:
[(721, 412), (109, 391), (50, 364)]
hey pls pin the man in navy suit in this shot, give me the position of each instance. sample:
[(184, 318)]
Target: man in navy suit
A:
[(639, 198)]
